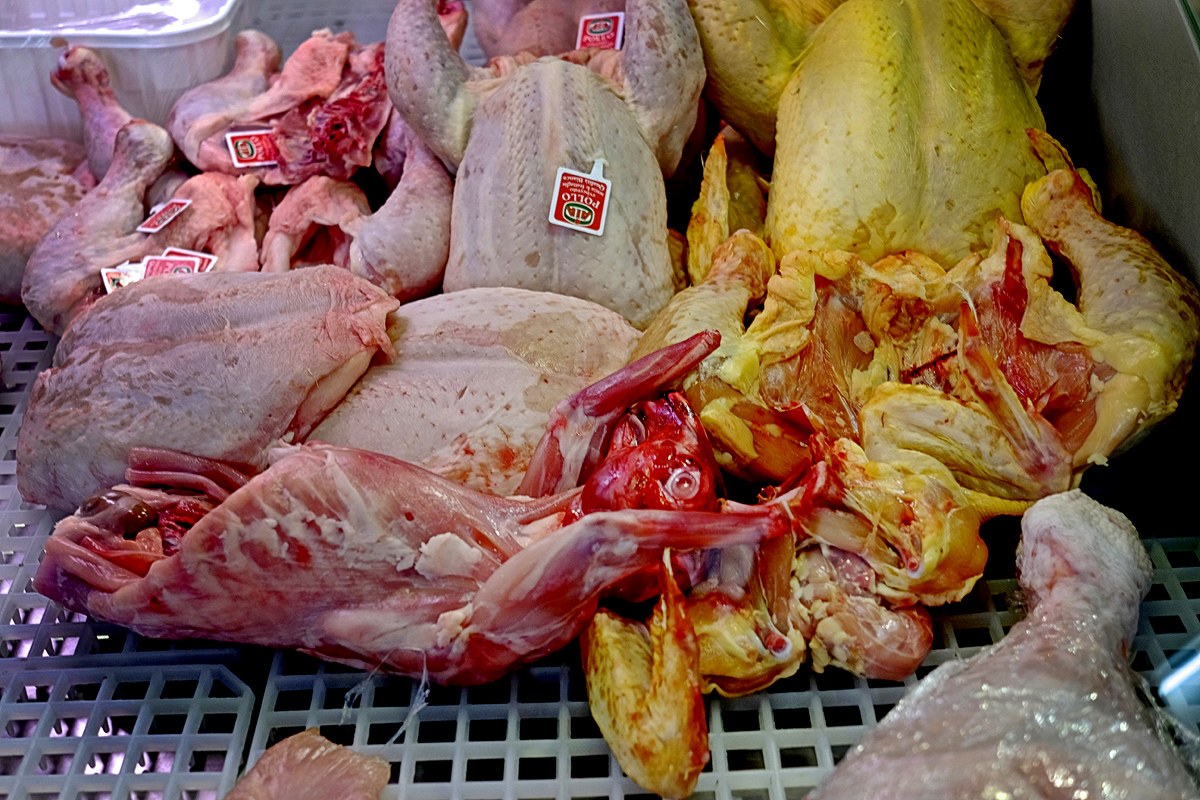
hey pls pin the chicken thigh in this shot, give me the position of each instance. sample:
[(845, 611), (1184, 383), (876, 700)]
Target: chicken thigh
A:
[(62, 276), (506, 133), (401, 248), (1051, 710)]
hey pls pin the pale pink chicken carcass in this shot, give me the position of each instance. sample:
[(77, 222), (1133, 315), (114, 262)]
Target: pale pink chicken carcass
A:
[(307, 766), (1051, 710), (371, 561), (506, 137), (325, 108), (362, 559), (476, 376), (40, 180), (402, 247), (62, 276), (541, 27), (221, 365)]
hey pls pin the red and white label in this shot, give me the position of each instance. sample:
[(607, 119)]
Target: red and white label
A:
[(170, 265), (205, 260), (252, 148), (162, 214), (604, 31), (116, 277), (581, 200)]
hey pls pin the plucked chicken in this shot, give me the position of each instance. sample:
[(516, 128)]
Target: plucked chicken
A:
[(221, 365), (374, 562), (752, 48), (1051, 710), (506, 130), (40, 180), (476, 376)]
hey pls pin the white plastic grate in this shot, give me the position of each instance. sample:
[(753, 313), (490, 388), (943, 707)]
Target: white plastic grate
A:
[(531, 735), (133, 731)]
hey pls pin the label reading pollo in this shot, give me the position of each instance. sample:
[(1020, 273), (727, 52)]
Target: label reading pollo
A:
[(162, 214), (252, 148), (604, 31), (581, 200)]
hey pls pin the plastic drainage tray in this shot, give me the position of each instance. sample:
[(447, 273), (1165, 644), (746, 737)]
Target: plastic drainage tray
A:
[(116, 732), (90, 710)]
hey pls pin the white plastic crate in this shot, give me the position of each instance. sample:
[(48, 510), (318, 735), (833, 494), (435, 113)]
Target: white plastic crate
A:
[(119, 732), (154, 51)]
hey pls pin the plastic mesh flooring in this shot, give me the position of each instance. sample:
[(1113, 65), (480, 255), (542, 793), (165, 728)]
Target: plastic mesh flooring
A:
[(116, 732)]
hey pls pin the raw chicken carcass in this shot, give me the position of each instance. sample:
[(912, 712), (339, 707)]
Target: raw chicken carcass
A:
[(507, 136), (540, 27), (402, 247), (916, 143), (221, 365), (476, 376), (374, 562), (62, 276), (307, 766), (1051, 710), (362, 559), (40, 180), (752, 47), (325, 108)]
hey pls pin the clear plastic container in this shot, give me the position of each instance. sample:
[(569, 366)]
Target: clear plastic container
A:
[(154, 51)]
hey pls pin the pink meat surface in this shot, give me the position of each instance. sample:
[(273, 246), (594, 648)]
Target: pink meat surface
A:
[(223, 365), (356, 557), (1051, 710), (308, 766)]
